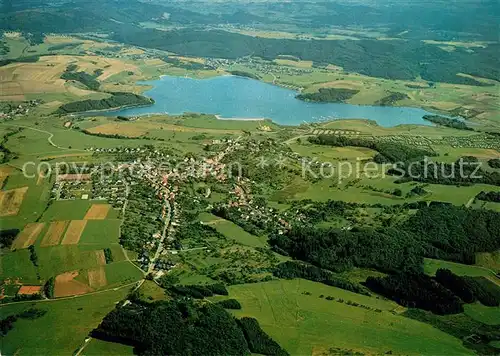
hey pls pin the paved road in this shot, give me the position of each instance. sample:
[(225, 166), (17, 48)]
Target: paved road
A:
[(163, 235)]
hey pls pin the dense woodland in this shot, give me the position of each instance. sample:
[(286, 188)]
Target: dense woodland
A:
[(332, 95), (86, 79), (142, 217), (391, 99), (438, 231), (7, 237), (494, 163), (388, 152), (489, 196), (448, 122), (444, 294), (416, 291), (183, 327), (461, 172), (296, 269), (386, 249), (117, 100)]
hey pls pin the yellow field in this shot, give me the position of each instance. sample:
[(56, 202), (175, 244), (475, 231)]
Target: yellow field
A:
[(11, 200), (4, 173), (141, 128), (42, 77), (299, 64), (97, 212), (54, 233), (97, 277), (28, 236), (74, 232)]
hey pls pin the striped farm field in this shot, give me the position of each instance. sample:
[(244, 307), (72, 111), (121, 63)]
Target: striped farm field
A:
[(74, 232), (97, 212), (97, 277), (28, 236), (54, 233), (11, 200)]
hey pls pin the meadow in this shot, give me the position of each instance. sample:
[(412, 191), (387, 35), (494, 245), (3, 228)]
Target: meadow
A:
[(63, 328), (308, 324)]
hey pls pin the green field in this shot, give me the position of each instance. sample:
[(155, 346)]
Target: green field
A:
[(63, 328), (306, 324), (431, 266), (67, 210), (124, 272), (233, 231), (101, 232), (486, 315), (34, 201), (98, 348)]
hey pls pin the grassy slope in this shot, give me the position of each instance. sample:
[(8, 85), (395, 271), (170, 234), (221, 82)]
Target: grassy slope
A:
[(63, 328), (306, 323)]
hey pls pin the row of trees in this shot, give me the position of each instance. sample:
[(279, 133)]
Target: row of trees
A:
[(117, 100), (197, 291), (448, 122)]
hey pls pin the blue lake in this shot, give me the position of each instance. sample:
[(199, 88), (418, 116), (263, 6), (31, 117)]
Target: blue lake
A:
[(236, 97)]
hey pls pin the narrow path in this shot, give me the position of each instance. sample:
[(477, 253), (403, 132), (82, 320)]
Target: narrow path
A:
[(163, 236), (73, 296)]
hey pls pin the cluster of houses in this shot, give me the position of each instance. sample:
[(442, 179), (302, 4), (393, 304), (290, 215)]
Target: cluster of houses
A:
[(9, 111)]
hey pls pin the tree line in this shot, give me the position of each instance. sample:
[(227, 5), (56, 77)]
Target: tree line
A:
[(117, 100), (444, 294), (331, 95), (448, 122)]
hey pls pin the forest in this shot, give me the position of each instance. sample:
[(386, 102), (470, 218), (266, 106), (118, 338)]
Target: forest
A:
[(443, 294), (462, 172), (86, 79), (489, 196), (297, 269), (403, 60), (387, 249), (439, 231), (391, 99), (193, 328), (332, 95), (388, 152), (445, 121), (117, 100)]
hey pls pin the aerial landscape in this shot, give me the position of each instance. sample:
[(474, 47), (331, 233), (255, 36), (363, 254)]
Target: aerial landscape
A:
[(249, 177)]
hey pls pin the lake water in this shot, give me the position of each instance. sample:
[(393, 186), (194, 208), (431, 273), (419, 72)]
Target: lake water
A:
[(236, 97)]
